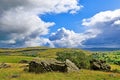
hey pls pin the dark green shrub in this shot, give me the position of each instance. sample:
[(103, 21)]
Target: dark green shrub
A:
[(117, 62), (78, 57)]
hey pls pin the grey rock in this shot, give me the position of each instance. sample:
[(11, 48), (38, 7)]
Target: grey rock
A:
[(4, 65), (15, 76), (51, 65), (71, 66), (99, 65), (46, 66)]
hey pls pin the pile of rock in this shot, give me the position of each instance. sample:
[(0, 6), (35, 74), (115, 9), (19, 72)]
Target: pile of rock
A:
[(99, 65), (52, 65), (4, 65)]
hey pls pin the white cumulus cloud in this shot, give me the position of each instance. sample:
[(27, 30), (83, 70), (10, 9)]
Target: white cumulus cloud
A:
[(68, 38), (108, 23), (102, 30), (20, 22)]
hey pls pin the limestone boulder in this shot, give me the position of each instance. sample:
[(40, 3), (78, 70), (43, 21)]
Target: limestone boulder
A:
[(52, 65), (46, 66), (70, 66)]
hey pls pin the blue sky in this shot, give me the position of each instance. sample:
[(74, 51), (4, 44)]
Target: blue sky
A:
[(60, 23), (74, 21)]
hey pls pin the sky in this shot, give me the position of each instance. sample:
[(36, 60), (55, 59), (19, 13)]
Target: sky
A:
[(60, 23)]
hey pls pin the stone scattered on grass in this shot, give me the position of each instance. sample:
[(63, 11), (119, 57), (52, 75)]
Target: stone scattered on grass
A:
[(23, 61), (4, 65), (15, 76)]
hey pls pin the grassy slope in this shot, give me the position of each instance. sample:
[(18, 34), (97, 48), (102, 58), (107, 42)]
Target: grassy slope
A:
[(15, 55), (12, 56), (5, 74)]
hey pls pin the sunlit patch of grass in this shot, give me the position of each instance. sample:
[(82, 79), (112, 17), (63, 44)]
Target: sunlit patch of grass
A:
[(13, 59), (115, 67)]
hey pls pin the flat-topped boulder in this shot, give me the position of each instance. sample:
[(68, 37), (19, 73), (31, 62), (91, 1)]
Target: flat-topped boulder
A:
[(52, 65)]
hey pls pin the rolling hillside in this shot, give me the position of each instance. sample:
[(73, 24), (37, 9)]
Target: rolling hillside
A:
[(16, 71)]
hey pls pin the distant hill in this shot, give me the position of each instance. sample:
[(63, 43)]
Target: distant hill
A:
[(101, 49), (38, 51), (47, 49)]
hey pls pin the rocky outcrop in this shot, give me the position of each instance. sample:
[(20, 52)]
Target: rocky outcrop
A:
[(99, 65), (4, 65), (52, 65), (70, 66)]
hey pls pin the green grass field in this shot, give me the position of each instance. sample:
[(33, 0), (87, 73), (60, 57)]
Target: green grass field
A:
[(37, 51), (13, 56), (14, 59), (16, 69)]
